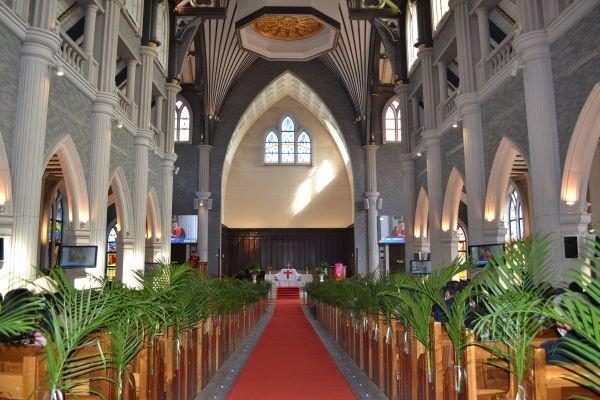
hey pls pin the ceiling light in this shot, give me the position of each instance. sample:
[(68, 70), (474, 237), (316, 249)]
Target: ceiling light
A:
[(60, 71), (455, 123), (119, 124), (418, 154)]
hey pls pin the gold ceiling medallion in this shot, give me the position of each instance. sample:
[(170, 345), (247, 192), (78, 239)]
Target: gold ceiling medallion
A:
[(287, 27)]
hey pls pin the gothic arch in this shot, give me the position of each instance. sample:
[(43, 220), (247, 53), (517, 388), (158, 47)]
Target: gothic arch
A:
[(580, 154), (499, 179), (153, 215), (122, 199), (78, 205), (452, 198), (421, 215)]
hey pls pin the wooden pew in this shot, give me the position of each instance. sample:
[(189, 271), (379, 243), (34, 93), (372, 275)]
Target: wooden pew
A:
[(484, 380), (22, 372)]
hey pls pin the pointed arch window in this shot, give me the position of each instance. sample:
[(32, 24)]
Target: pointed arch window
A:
[(412, 32), (439, 8), (514, 216), (55, 228), (461, 236), (285, 146), (182, 122), (271, 148), (392, 121), (111, 253)]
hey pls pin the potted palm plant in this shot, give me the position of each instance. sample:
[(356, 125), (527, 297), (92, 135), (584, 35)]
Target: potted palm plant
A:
[(323, 270), (254, 270)]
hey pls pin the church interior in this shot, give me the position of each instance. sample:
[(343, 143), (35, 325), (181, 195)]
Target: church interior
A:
[(299, 199)]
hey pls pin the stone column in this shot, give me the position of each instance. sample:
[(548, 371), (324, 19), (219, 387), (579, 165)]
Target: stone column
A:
[(443, 86), (472, 130), (414, 113), (89, 29), (167, 203), (37, 51), (203, 202), (145, 115), (371, 197), (402, 94), (463, 45), (131, 72), (434, 193), (172, 89), (483, 25), (408, 204), (102, 121), (158, 119), (426, 58), (449, 246), (534, 50)]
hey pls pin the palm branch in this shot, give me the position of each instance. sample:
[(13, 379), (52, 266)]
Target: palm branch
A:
[(20, 314)]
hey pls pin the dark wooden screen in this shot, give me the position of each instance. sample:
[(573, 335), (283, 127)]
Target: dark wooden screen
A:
[(276, 247)]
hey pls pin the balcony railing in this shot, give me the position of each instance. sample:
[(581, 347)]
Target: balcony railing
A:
[(158, 136), (496, 60), (127, 107), (76, 58), (446, 108)]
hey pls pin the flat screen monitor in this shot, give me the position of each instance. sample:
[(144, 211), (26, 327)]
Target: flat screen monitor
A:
[(482, 254), (1, 249), (184, 229), (78, 256), (420, 267)]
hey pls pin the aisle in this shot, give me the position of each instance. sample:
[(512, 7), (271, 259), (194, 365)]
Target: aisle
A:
[(290, 362)]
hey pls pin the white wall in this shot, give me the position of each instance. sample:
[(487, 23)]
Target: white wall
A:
[(275, 196)]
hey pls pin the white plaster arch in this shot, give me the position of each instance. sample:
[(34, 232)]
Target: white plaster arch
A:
[(122, 199), (499, 178), (72, 169), (580, 154), (287, 84), (5, 182), (421, 215), (153, 215), (452, 198)]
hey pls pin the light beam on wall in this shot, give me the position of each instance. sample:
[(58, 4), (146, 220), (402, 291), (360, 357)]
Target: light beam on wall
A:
[(324, 176)]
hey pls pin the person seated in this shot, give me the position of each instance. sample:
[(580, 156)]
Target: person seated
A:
[(449, 292), (12, 301), (555, 348)]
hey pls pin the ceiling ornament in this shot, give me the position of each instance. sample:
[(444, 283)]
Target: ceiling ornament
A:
[(287, 27)]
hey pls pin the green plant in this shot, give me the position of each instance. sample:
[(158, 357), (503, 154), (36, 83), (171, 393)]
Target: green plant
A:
[(322, 268), (254, 268), (515, 303), (20, 314)]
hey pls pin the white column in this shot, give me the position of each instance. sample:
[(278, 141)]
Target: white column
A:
[(172, 89), (472, 130), (371, 196), (414, 113), (28, 157), (464, 48), (448, 246), (426, 58), (102, 121), (110, 35), (131, 72), (408, 204), (167, 203), (544, 164), (483, 25), (158, 119), (434, 193), (89, 29), (148, 56), (203, 200)]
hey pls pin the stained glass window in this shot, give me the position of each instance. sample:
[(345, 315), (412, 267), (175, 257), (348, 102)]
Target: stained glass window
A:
[(111, 253), (514, 213), (181, 122), (55, 228), (392, 122), (462, 242), (288, 147)]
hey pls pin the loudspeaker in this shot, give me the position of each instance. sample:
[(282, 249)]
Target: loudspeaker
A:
[(571, 247)]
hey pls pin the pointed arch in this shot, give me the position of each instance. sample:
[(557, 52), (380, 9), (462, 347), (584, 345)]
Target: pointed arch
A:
[(70, 163), (499, 178), (5, 182), (580, 154), (421, 214), (120, 188), (454, 190), (153, 214)]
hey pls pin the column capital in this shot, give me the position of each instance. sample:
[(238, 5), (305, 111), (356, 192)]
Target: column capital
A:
[(90, 5), (425, 52), (148, 51), (482, 9), (40, 43), (204, 147), (402, 88), (532, 46), (371, 147), (169, 159), (105, 103), (143, 138), (203, 195), (371, 196), (455, 3), (173, 87), (431, 138), (468, 103)]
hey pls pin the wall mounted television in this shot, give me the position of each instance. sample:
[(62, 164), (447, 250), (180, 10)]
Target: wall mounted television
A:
[(483, 253), (78, 256), (420, 267)]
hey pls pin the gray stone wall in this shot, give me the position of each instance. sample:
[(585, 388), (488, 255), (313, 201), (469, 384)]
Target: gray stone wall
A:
[(122, 154), (576, 69), (10, 48), (154, 167), (453, 155)]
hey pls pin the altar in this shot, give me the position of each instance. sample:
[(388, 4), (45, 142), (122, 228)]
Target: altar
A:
[(287, 277)]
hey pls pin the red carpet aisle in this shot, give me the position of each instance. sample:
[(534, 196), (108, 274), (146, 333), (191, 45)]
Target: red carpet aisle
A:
[(290, 362)]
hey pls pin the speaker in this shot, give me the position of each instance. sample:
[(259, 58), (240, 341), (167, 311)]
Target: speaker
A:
[(571, 247)]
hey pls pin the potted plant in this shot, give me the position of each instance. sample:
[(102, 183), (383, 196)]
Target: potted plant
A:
[(322, 270), (254, 270)]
